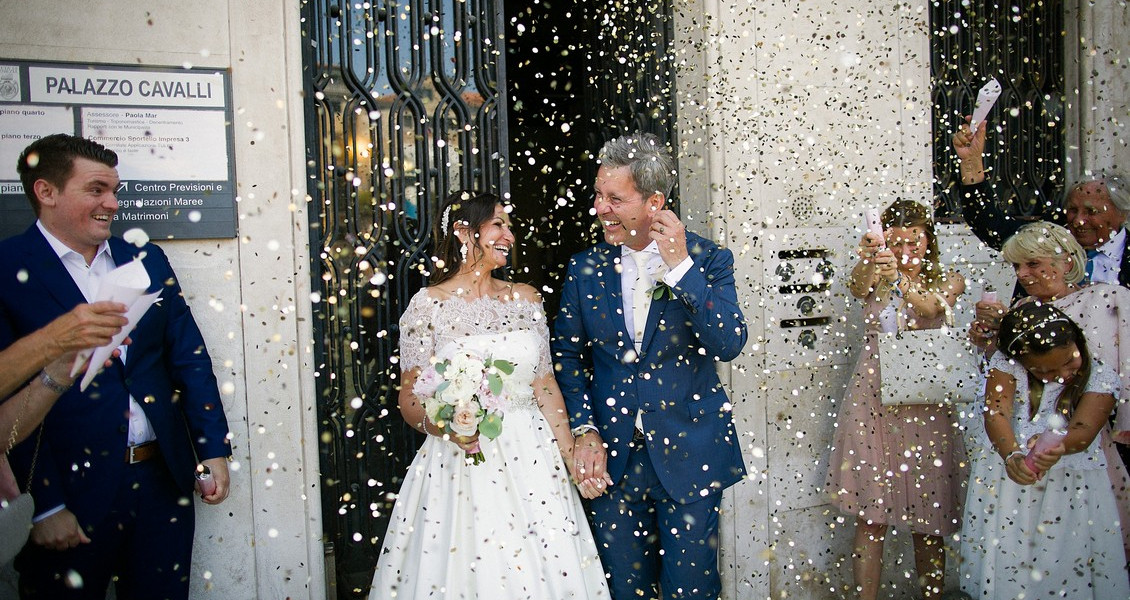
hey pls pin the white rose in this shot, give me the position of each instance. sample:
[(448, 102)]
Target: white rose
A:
[(465, 421), (467, 364), (511, 387), (460, 390), (432, 407)]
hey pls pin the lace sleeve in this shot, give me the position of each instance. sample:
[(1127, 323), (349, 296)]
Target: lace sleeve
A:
[(417, 339), (541, 327)]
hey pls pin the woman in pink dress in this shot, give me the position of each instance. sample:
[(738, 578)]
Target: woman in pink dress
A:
[(897, 465)]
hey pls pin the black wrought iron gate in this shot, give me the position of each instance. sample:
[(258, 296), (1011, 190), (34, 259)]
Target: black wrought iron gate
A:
[(407, 100), (404, 105)]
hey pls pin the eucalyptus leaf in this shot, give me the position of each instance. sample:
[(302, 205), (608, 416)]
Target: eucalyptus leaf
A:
[(491, 426)]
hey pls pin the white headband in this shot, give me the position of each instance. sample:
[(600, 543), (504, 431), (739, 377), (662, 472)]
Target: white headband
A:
[(1031, 329)]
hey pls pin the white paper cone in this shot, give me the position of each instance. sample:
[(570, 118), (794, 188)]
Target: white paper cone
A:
[(102, 353), (985, 100), (125, 284)]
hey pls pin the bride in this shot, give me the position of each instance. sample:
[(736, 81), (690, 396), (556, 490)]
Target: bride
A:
[(513, 526)]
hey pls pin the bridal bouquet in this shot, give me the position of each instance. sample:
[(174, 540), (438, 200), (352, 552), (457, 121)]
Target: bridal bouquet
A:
[(465, 394)]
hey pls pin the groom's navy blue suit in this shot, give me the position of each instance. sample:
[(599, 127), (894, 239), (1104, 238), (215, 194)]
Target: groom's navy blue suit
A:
[(691, 452), (81, 460)]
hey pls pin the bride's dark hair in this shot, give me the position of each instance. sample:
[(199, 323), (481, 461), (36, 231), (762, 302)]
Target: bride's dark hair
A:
[(470, 210)]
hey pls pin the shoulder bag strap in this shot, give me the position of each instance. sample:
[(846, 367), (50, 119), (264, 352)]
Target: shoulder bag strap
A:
[(15, 430)]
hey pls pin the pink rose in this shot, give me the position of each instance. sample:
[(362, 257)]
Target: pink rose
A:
[(465, 421), (489, 401)]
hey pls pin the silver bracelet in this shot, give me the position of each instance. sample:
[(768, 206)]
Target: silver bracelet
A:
[(1015, 453), (55, 386), (580, 430)]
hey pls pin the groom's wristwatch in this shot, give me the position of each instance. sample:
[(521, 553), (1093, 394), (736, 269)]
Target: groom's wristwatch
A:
[(580, 430)]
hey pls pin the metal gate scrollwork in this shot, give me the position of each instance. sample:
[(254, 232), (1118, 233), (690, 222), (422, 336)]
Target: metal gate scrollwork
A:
[(404, 105), (1021, 44)]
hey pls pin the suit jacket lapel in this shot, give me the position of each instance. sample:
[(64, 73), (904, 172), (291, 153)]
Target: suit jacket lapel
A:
[(659, 305), (123, 252), (44, 264), (614, 290), (654, 316)]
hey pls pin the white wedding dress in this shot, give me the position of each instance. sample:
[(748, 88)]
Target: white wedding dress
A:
[(511, 527)]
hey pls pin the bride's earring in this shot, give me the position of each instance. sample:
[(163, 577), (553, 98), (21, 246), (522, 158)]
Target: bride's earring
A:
[(463, 251)]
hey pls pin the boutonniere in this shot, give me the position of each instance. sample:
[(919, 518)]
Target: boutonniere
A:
[(661, 289)]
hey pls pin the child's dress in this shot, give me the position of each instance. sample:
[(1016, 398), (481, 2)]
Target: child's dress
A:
[(1059, 538)]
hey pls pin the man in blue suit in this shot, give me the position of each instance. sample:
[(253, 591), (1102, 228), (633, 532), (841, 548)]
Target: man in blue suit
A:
[(645, 316), (112, 468)]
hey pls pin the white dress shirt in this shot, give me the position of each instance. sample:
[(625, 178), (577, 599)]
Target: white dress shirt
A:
[(88, 278), (655, 265), (1108, 262)]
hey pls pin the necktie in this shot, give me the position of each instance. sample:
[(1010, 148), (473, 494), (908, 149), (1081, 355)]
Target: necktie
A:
[(641, 304), (1091, 254), (641, 298)]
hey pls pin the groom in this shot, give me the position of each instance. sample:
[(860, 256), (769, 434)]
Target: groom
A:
[(645, 315)]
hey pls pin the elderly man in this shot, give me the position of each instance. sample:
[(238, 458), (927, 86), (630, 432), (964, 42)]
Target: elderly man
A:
[(112, 466), (1094, 211)]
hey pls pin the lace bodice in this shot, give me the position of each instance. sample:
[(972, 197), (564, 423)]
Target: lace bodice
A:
[(515, 330)]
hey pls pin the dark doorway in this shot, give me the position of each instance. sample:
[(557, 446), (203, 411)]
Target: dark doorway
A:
[(1021, 45), (579, 73)]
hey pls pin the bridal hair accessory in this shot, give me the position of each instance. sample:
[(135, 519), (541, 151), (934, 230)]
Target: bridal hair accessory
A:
[(445, 220), (1031, 329)]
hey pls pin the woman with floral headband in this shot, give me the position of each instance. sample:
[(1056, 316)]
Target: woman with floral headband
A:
[(1050, 266)]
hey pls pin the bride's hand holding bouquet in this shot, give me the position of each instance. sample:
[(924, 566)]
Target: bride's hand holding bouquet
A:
[(466, 396)]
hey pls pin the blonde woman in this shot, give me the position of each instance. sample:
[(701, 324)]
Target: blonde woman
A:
[(1050, 266)]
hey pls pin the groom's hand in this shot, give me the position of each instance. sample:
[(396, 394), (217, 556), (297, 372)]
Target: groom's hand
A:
[(589, 457), (670, 235)]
